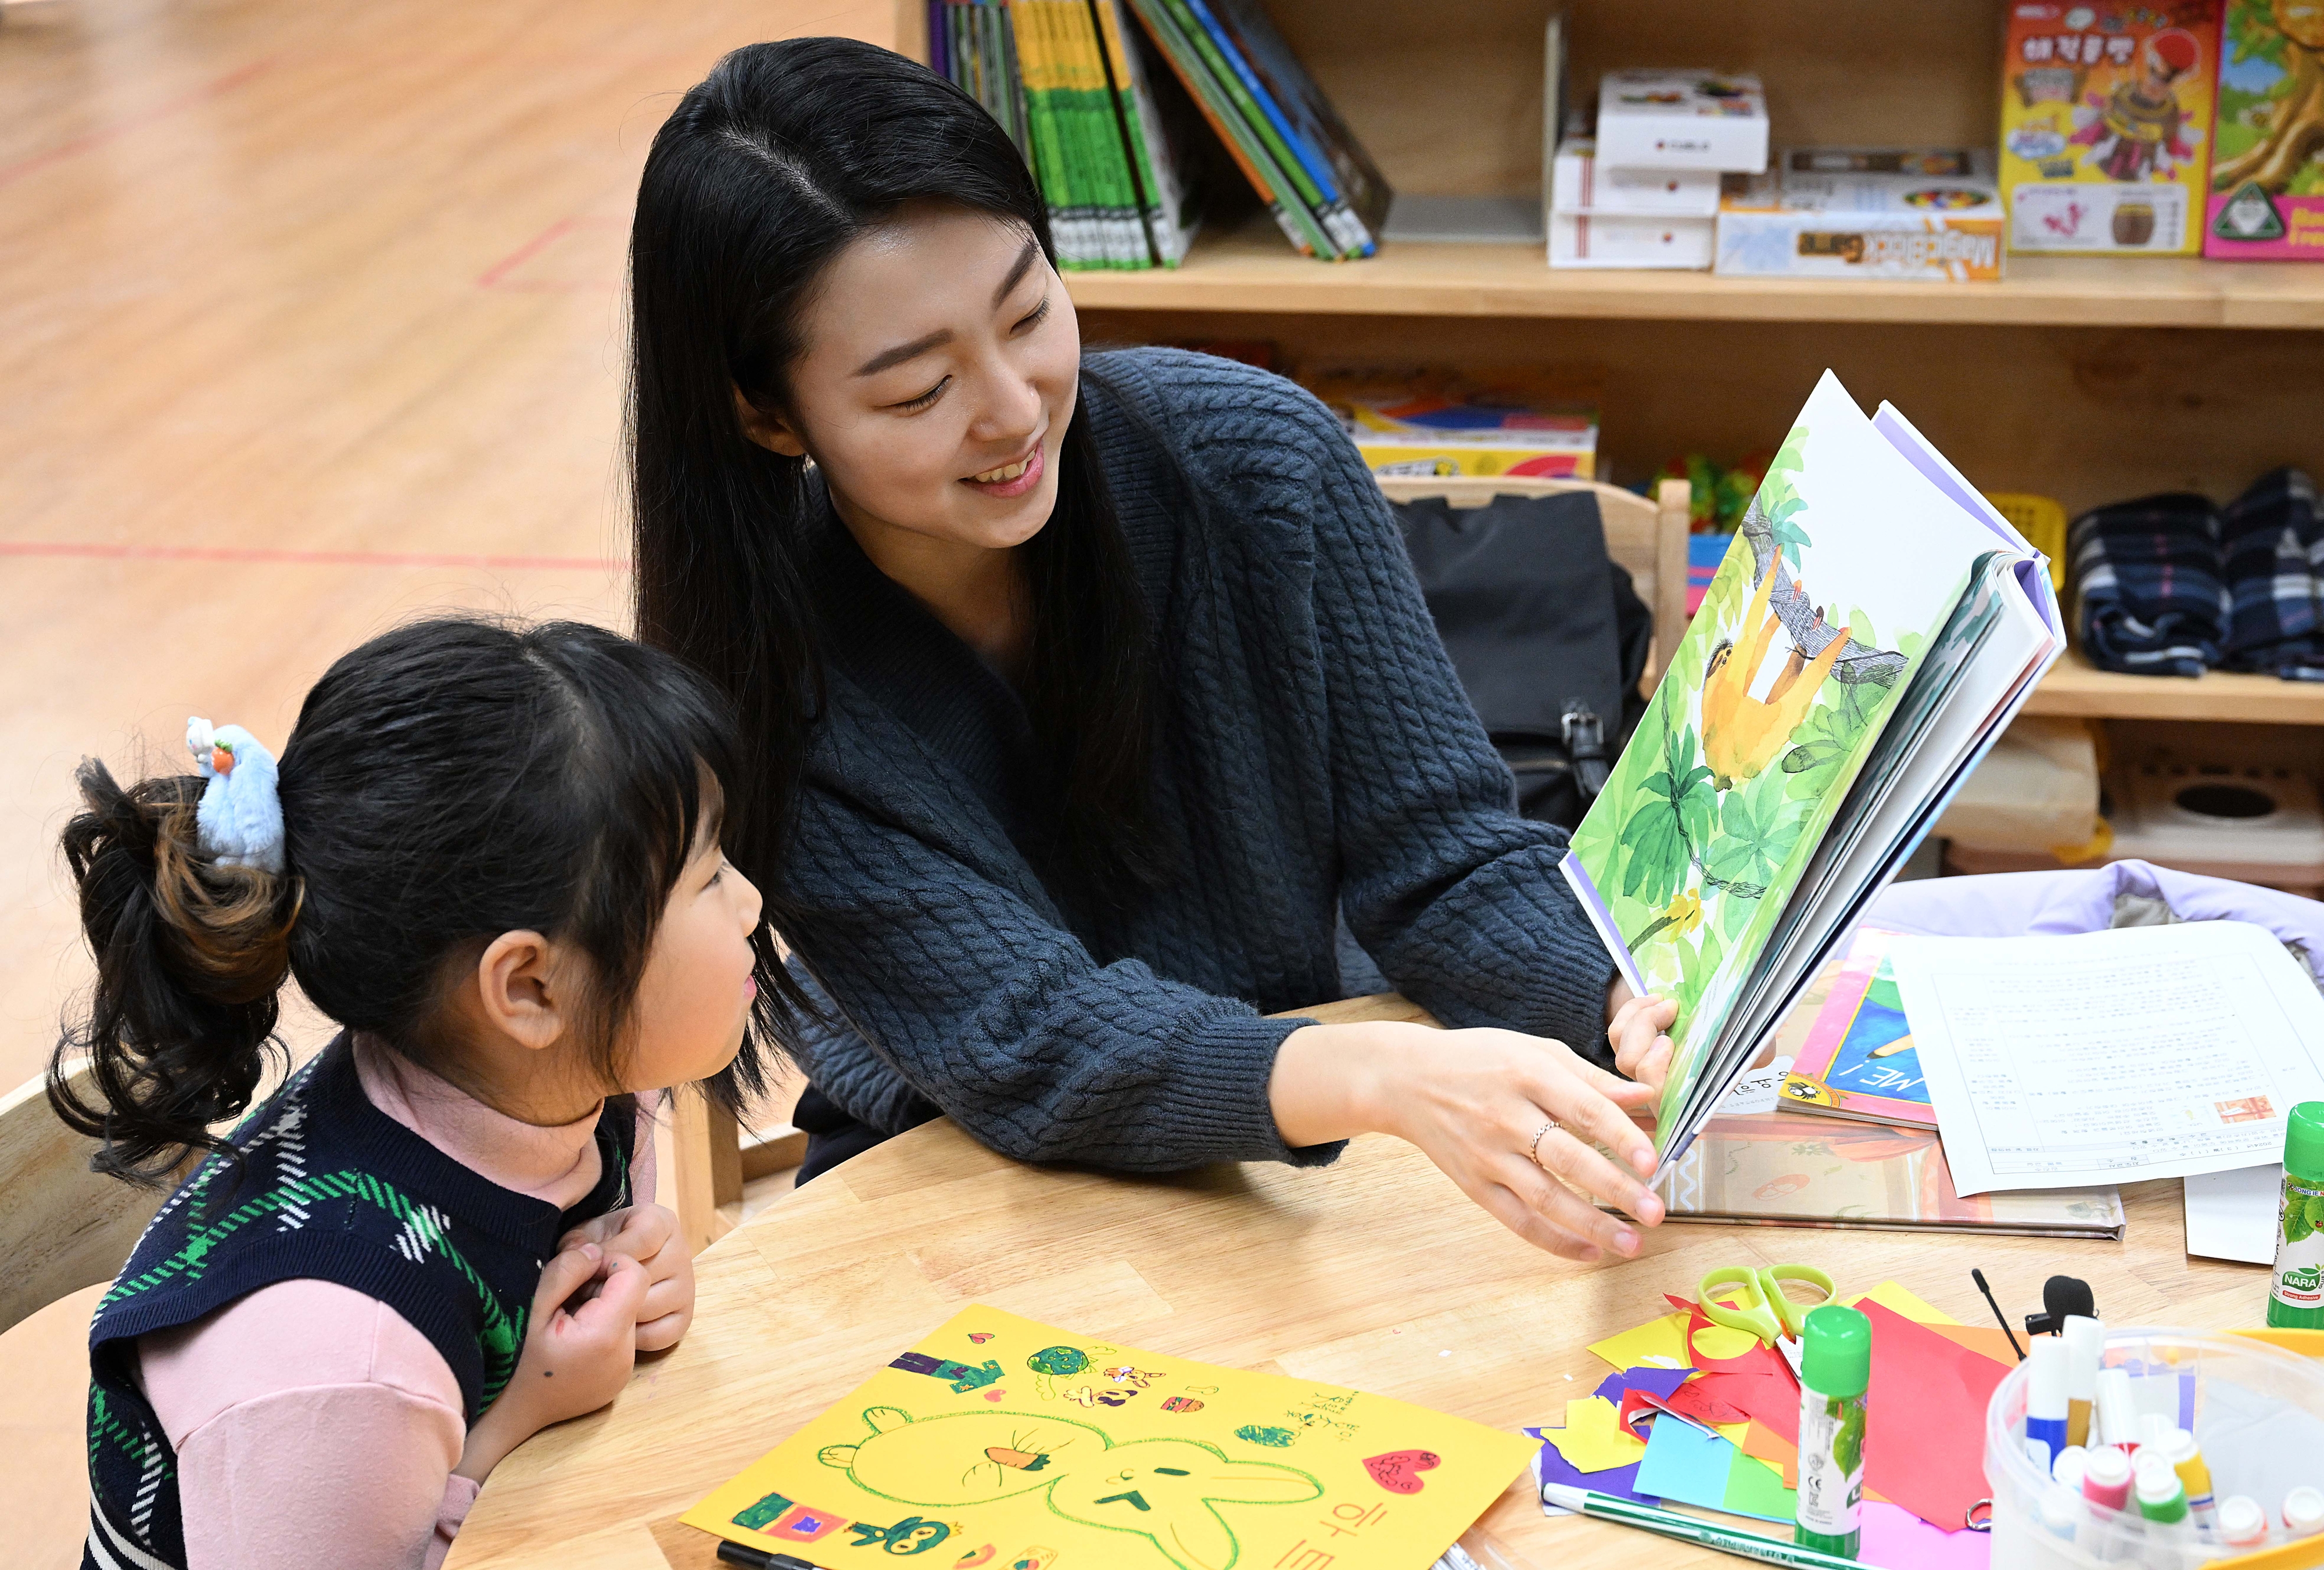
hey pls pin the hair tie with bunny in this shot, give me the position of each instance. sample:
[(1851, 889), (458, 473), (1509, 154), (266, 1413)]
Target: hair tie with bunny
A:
[(241, 814)]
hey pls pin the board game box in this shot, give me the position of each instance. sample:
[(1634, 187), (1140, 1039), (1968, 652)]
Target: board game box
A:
[(2106, 125), (2267, 138)]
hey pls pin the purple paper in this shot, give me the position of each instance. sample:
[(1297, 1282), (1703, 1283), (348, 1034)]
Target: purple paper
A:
[(1620, 1482), (1658, 1382), (1895, 1539)]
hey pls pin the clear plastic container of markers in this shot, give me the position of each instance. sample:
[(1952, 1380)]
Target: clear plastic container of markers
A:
[(2257, 1415)]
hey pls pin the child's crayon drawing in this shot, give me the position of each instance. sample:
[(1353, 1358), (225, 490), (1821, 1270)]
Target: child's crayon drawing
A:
[(918, 1462)]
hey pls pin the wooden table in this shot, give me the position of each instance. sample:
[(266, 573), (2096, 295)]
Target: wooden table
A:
[(1375, 1272)]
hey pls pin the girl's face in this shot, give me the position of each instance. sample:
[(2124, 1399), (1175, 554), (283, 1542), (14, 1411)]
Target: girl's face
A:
[(939, 374), (693, 999)]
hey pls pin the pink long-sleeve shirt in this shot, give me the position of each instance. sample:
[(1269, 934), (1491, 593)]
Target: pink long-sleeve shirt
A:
[(316, 1426)]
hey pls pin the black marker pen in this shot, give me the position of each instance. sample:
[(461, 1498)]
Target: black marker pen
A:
[(759, 1558)]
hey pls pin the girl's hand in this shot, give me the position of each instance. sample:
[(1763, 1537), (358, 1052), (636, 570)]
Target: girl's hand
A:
[(578, 1352), (647, 1233), (1634, 1025), (1475, 1102)]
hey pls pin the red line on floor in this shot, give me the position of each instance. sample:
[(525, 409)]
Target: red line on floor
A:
[(68, 548), (526, 251), (80, 144)]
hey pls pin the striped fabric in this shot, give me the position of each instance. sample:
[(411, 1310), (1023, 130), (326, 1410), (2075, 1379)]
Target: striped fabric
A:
[(2148, 578), (2275, 556)]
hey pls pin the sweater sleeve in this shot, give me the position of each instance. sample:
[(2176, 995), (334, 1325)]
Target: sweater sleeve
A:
[(947, 983), (1455, 896), (313, 1424)]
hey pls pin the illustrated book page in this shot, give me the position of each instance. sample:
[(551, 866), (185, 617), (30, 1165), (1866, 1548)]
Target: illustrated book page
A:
[(2058, 1062), (1000, 1441), (1850, 564), (1857, 1061)]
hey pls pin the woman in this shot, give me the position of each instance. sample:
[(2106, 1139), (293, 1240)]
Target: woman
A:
[(1090, 692)]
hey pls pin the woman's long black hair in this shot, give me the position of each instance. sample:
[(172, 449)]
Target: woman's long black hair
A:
[(766, 171)]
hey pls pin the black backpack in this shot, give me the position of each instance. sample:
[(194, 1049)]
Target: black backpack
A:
[(1548, 633)]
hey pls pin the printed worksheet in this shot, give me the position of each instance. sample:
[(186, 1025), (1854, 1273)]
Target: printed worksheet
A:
[(2056, 1063)]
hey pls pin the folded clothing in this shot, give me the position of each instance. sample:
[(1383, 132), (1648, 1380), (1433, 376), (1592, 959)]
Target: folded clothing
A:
[(2148, 577), (2269, 541)]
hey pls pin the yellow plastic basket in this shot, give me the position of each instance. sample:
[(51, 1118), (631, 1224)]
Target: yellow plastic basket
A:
[(2042, 521)]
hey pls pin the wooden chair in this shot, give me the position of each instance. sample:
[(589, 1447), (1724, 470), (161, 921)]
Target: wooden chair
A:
[(1646, 537), (62, 1227), (711, 1163)]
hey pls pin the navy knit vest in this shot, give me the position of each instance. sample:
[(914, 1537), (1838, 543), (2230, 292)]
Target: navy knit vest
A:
[(331, 1188)]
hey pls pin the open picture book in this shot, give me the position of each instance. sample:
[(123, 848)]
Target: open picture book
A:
[(1871, 631)]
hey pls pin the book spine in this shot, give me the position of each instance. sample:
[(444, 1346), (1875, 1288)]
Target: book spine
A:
[(1290, 214), (1257, 108), (1103, 121), (1080, 200), (1041, 133), (1170, 221)]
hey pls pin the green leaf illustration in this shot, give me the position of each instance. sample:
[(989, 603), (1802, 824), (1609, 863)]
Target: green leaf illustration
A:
[(1757, 828)]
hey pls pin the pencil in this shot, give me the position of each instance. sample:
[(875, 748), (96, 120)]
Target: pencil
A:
[(1685, 1528)]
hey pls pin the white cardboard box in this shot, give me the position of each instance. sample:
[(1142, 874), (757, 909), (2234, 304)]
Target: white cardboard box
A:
[(1699, 120), (1629, 240), (1578, 183)]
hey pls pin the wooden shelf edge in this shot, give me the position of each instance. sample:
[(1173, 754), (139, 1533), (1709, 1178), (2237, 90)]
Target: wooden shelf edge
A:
[(1252, 270), (2077, 689)]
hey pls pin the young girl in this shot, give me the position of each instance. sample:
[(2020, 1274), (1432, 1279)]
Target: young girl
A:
[(491, 855)]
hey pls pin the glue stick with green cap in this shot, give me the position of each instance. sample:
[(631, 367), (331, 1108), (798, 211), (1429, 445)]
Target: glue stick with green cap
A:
[(1835, 1368), (2295, 1301), (2161, 1498)]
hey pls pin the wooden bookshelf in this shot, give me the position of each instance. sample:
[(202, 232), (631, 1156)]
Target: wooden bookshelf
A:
[(2076, 687), (1254, 268)]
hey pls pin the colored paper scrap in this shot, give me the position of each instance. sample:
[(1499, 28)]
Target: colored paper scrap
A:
[(1897, 1539), (1593, 1439), (1661, 1382), (1550, 1466), (1893, 1295), (1098, 1454), (1693, 1467), (1763, 1444), (1657, 1344)]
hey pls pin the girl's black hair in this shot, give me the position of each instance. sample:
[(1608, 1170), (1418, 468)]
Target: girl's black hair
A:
[(764, 173), (447, 782)]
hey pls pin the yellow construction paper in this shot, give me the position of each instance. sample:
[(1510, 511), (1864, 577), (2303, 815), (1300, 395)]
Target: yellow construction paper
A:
[(1657, 1344), (998, 1441), (1894, 1298), (1593, 1437)]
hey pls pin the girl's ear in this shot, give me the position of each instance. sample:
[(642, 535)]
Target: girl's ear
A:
[(520, 992), (770, 431)]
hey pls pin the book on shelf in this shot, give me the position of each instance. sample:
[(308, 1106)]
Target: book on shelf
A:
[(1071, 89), (1873, 628), (1323, 189)]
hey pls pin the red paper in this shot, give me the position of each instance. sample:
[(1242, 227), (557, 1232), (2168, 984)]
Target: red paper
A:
[(1924, 1434), (1927, 1417), (1761, 1358)]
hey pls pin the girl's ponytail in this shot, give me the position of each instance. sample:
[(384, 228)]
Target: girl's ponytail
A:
[(191, 953)]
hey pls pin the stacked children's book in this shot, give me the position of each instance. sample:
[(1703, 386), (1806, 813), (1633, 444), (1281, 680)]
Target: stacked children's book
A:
[(1067, 82), (1109, 129), (1874, 626)]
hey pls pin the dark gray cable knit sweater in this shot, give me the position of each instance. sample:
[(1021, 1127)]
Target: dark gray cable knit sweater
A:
[(1316, 755)]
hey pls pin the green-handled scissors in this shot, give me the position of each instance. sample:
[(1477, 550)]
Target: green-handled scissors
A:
[(1765, 1309)]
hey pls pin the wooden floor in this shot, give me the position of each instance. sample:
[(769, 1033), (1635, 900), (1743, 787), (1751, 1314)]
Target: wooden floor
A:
[(309, 319)]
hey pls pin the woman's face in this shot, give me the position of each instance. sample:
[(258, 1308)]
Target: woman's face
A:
[(940, 368)]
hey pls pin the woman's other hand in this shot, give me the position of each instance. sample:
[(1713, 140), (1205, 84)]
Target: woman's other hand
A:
[(1634, 1025), (647, 1233), (1483, 1105)]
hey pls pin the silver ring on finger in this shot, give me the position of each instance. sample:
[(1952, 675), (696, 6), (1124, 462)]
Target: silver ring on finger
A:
[(1540, 1135)]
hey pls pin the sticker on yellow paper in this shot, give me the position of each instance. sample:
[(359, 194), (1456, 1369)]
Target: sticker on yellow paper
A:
[(913, 1464)]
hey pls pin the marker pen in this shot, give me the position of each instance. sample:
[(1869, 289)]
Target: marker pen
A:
[(2243, 1525), (2161, 1499), (2061, 1511), (2304, 1512), (2068, 1467), (2085, 1340), (2117, 1422), (2179, 1450), (2106, 1487), (2045, 1401)]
